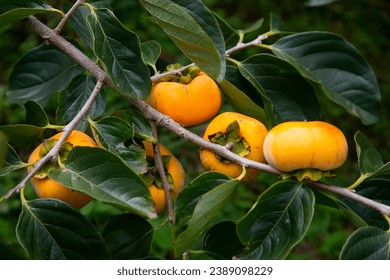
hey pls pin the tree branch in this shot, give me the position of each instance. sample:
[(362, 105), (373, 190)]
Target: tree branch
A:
[(161, 171), (56, 148), (65, 19), (168, 123)]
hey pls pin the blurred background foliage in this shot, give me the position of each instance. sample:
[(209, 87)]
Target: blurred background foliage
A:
[(365, 23)]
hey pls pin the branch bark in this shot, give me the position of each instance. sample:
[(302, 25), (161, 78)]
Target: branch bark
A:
[(168, 123)]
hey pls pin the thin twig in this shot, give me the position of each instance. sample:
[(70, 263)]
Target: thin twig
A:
[(161, 171), (56, 148), (241, 46), (168, 123), (66, 17)]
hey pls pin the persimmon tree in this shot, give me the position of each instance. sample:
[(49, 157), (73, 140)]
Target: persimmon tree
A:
[(280, 82)]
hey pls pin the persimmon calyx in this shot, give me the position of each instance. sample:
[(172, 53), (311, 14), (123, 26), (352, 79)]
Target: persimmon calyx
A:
[(232, 140), (309, 173), (185, 77), (47, 145)]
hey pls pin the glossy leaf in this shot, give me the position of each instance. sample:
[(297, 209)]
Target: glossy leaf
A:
[(15, 10), (370, 161), (240, 95), (23, 134), (106, 177), (222, 242), (138, 122), (119, 50), (196, 206), (40, 73), (128, 237), (337, 69), (377, 189), (35, 115), (73, 98), (277, 222), (292, 97), (367, 243), (343, 205), (193, 28), (113, 133), (10, 161), (151, 51), (50, 229), (80, 23)]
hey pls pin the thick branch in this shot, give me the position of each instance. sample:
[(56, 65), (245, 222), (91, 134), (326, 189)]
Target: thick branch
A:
[(165, 121)]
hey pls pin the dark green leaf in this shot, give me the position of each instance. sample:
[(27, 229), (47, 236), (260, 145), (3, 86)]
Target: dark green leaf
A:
[(277, 222), (369, 159), (11, 160), (23, 134), (138, 122), (196, 206), (51, 229), (80, 24), (377, 189), (193, 28), (35, 115), (331, 200), (151, 51), (15, 10), (222, 242), (367, 243), (291, 96), (40, 73), (119, 50), (73, 98), (337, 69), (106, 177), (111, 132), (238, 91), (128, 237)]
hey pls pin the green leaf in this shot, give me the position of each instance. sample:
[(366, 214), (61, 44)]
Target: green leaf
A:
[(40, 73), (106, 177), (151, 51), (35, 115), (51, 229), (336, 68), (196, 206), (237, 91), (221, 241), (377, 189), (114, 134), (138, 122), (23, 134), (11, 160), (370, 161), (193, 28), (15, 10), (111, 132), (128, 237), (119, 50), (277, 222), (292, 97), (73, 98), (79, 22), (343, 205), (367, 243)]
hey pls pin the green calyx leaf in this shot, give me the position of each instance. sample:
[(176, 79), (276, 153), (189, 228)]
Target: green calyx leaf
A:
[(151, 177), (185, 77), (232, 140), (312, 174)]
